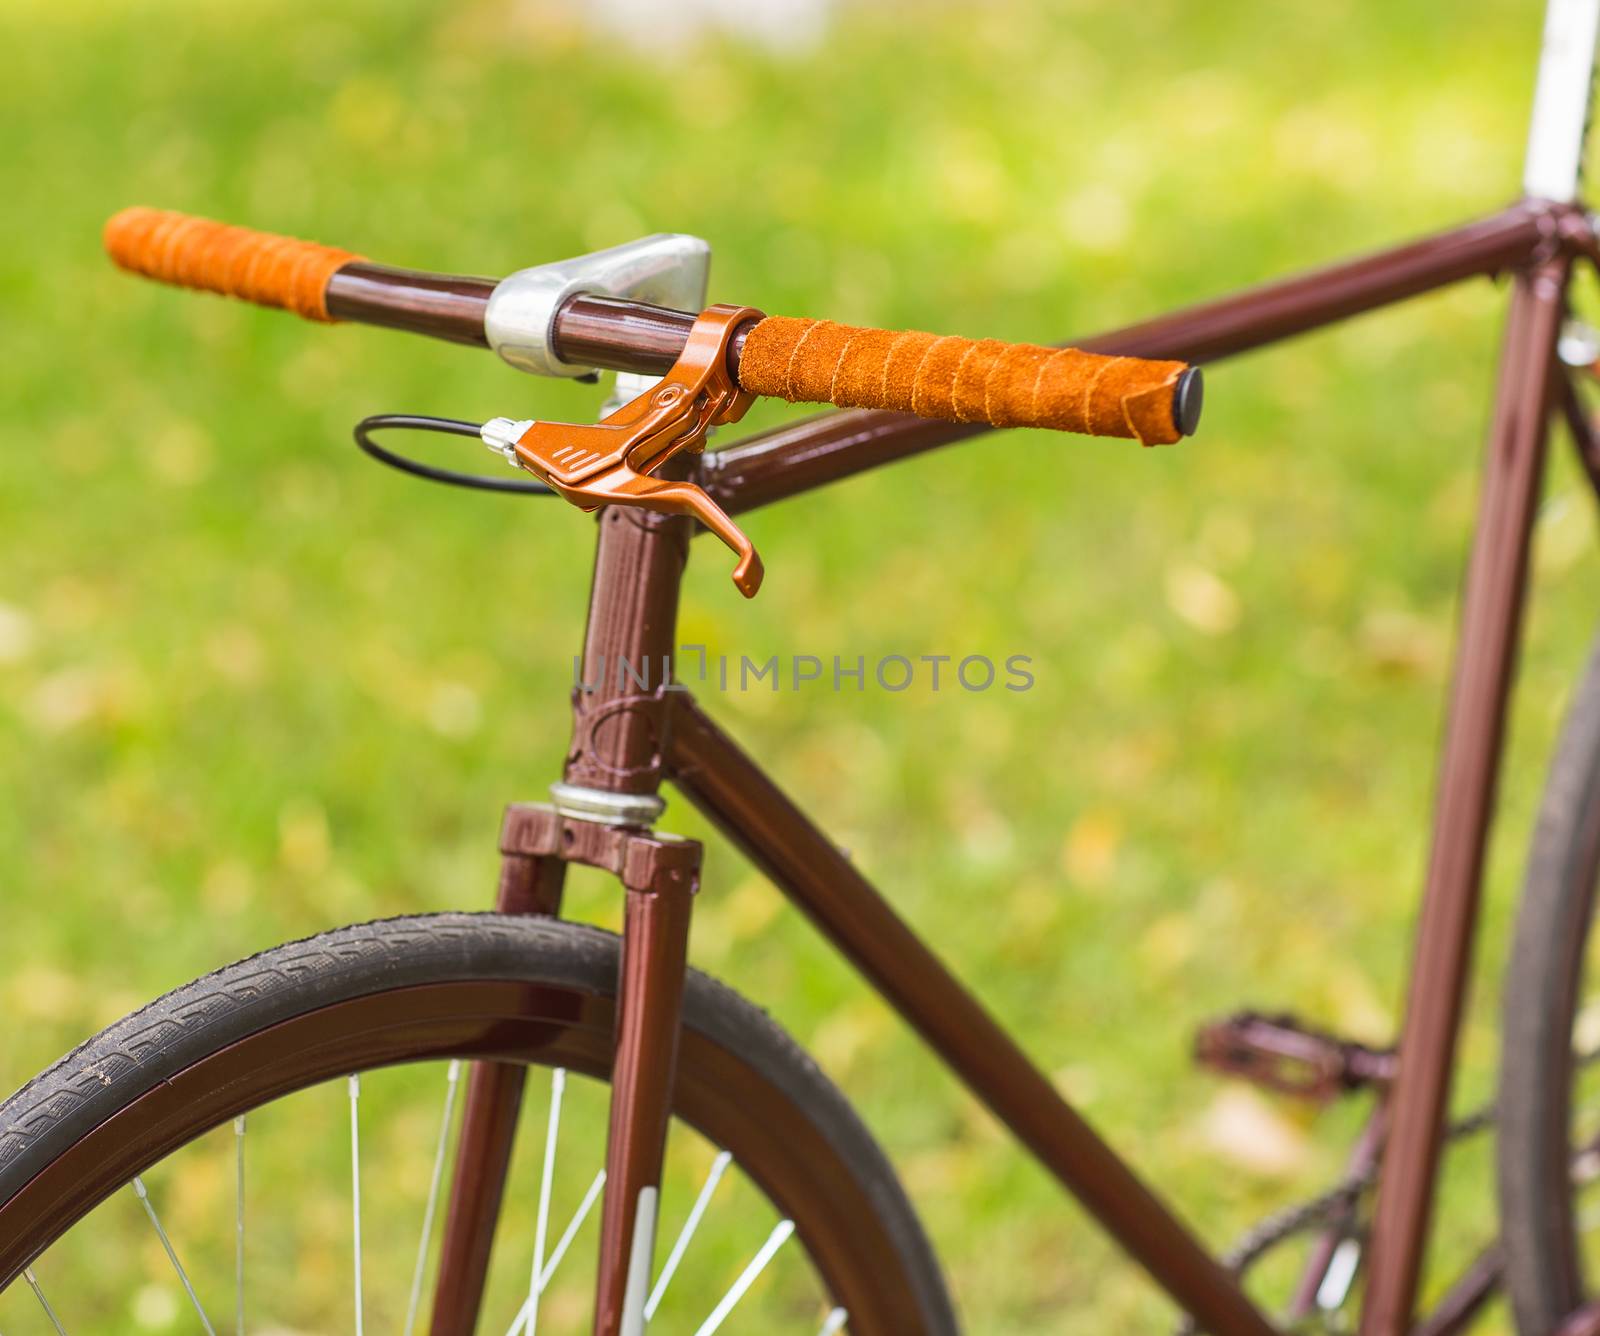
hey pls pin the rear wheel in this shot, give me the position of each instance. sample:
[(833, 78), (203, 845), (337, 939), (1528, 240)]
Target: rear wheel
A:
[(266, 1145), (1549, 1140)]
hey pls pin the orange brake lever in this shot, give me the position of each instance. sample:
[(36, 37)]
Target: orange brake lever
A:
[(609, 463)]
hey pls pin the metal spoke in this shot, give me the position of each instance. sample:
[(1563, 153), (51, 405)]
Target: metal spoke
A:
[(565, 1242), (49, 1312), (238, 1226), (747, 1277), (558, 1085), (833, 1324), (355, 1187), (560, 1250), (1339, 1276), (150, 1210), (719, 1166), (452, 1079), (642, 1250)]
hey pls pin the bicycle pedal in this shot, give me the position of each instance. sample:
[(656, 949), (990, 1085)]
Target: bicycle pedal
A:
[(1282, 1054)]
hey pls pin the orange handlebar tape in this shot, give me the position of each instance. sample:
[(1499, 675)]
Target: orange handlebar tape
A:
[(235, 261), (963, 380)]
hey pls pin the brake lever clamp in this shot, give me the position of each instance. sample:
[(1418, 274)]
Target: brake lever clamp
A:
[(609, 463)]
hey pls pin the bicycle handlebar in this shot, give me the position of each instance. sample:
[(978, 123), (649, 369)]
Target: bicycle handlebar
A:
[(807, 361)]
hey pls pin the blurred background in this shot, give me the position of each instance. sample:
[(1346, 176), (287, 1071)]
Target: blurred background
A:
[(252, 687)]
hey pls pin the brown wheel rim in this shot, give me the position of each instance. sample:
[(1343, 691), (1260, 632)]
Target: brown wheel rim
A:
[(716, 1093)]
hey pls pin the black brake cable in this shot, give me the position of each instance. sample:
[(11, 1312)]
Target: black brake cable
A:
[(443, 426)]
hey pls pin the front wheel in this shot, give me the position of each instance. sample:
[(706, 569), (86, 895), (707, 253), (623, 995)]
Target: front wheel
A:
[(265, 1147)]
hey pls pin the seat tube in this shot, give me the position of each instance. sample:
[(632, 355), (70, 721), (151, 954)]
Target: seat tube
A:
[(1485, 660)]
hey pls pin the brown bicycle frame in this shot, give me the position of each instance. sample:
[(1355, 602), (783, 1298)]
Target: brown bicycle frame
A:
[(628, 740)]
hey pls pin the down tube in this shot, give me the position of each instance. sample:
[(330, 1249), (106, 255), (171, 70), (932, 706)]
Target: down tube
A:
[(1485, 658), (751, 810)]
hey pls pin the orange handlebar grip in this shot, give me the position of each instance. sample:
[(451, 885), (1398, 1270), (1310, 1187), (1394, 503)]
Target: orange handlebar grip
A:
[(235, 261), (970, 380)]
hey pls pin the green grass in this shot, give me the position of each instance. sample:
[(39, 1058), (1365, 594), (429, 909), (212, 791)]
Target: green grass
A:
[(251, 687)]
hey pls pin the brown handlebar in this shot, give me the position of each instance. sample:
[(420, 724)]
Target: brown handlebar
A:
[(811, 361)]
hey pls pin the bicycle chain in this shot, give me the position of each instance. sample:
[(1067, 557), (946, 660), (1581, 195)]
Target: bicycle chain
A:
[(1341, 1197)]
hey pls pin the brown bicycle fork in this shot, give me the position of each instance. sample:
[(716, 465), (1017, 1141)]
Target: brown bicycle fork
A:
[(600, 819)]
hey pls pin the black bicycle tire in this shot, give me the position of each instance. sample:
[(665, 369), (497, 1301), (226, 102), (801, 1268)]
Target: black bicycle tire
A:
[(115, 1067), (1543, 985)]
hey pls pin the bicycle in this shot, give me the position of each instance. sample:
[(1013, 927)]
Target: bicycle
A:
[(521, 988)]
